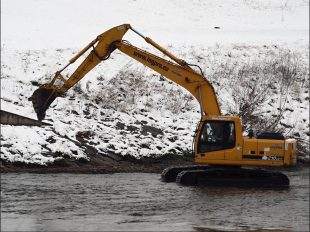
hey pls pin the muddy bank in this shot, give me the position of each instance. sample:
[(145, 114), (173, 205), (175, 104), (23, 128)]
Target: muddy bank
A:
[(99, 163)]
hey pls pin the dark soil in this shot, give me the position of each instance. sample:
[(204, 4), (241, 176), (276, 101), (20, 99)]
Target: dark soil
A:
[(99, 163)]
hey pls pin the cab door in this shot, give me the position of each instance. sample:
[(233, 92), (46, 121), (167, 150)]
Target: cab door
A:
[(234, 141), (217, 139)]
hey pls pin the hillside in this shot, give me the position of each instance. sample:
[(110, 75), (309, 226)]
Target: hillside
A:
[(257, 61)]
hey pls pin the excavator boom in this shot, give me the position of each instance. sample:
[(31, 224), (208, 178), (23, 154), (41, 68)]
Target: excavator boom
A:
[(178, 71)]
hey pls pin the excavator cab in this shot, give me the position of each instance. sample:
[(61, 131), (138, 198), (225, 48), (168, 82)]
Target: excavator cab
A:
[(216, 135), (219, 141)]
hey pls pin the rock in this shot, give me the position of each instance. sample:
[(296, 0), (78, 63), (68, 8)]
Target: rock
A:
[(152, 130), (74, 112), (173, 138), (132, 128), (288, 109), (145, 145), (35, 83), (111, 146), (83, 136), (296, 134), (120, 126), (51, 139), (285, 125)]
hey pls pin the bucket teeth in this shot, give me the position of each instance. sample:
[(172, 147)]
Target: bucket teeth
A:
[(41, 99)]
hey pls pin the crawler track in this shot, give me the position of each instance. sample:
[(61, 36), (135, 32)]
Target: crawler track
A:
[(225, 176)]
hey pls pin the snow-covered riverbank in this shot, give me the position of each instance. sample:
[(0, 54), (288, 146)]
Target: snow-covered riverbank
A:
[(123, 108)]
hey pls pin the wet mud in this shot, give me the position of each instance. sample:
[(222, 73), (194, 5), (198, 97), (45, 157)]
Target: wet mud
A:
[(99, 163)]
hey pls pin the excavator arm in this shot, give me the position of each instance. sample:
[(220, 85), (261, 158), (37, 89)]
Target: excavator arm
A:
[(178, 71)]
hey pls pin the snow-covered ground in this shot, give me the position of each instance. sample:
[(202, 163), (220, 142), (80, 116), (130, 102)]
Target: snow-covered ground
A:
[(41, 24), (121, 106)]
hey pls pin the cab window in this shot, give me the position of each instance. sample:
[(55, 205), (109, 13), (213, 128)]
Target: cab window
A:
[(216, 135)]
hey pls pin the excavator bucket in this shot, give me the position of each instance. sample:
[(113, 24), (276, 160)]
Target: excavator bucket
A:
[(41, 99)]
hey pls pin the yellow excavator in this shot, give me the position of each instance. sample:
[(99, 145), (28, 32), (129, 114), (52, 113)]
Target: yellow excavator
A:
[(219, 145)]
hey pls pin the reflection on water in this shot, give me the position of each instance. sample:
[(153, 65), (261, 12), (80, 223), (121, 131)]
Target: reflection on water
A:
[(140, 201)]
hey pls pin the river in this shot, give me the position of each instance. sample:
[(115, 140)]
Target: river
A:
[(141, 202)]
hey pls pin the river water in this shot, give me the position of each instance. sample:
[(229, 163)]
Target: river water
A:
[(141, 202)]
